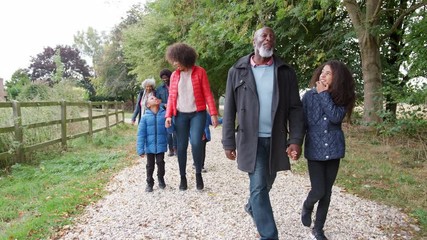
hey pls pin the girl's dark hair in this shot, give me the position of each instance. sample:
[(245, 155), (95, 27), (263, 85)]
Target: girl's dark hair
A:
[(181, 53), (342, 89)]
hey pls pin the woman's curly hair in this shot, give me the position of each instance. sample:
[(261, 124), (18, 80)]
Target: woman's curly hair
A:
[(181, 53)]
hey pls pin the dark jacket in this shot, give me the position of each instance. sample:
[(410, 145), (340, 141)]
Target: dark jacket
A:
[(152, 136), (162, 93), (324, 138), (241, 101), (208, 123)]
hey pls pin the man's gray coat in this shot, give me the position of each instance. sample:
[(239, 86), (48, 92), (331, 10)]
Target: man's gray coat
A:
[(241, 102)]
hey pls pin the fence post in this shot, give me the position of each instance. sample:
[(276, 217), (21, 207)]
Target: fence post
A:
[(107, 117), (90, 120), (19, 136), (115, 108), (123, 112), (63, 125)]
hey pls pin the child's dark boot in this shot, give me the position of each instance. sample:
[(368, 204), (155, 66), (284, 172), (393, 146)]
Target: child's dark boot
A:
[(150, 184), (162, 183)]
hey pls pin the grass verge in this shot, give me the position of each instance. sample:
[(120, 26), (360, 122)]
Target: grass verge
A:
[(41, 198)]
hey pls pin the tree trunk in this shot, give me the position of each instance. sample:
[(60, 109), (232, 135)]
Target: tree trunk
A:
[(133, 102), (363, 23), (391, 107), (371, 69)]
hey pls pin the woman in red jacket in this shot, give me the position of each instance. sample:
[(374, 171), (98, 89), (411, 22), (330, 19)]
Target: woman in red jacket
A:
[(189, 93)]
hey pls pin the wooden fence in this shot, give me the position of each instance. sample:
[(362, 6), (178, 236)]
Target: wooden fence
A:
[(95, 110)]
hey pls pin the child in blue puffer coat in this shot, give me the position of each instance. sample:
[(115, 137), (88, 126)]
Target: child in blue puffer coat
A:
[(152, 140)]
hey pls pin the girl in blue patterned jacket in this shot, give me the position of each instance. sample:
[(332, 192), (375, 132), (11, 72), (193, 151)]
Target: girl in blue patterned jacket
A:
[(152, 141), (330, 100)]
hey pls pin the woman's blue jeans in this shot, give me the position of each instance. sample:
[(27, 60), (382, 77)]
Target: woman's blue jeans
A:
[(261, 181), (187, 124)]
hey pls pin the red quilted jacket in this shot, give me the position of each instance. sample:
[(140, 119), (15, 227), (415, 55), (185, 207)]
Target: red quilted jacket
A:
[(201, 88)]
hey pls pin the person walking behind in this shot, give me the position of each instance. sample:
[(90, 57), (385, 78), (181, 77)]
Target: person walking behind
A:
[(262, 92), (206, 138), (152, 141), (148, 89), (189, 93), (162, 92), (330, 100)]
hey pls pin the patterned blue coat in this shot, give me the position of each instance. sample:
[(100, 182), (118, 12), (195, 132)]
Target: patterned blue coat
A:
[(324, 139), (152, 136)]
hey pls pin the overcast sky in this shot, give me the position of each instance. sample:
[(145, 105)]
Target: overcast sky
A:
[(27, 26)]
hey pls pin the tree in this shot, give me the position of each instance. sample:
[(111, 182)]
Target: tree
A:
[(366, 19), (20, 78), (371, 41), (114, 78), (145, 41), (43, 67), (57, 77), (221, 32), (90, 44), (416, 40)]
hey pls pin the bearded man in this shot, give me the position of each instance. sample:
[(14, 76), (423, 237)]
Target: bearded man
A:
[(262, 94)]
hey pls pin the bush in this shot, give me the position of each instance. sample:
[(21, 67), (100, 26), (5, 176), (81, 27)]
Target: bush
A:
[(68, 91), (34, 92)]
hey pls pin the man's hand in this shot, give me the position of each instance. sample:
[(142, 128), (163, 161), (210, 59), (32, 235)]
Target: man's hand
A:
[(142, 155), (133, 122), (294, 151), (230, 154)]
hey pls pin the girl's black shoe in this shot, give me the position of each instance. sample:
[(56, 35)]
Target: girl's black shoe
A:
[(306, 216), (318, 234)]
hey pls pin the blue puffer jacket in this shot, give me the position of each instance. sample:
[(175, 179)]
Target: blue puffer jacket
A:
[(324, 139), (152, 136)]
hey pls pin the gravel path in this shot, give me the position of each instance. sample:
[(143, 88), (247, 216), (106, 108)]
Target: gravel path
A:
[(217, 212)]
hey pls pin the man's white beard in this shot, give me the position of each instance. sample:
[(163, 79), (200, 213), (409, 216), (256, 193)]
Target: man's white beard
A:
[(265, 53)]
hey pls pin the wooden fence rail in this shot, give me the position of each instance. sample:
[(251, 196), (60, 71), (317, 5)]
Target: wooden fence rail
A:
[(102, 110)]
